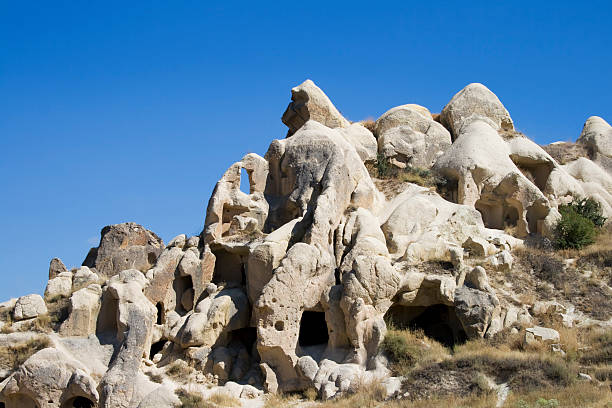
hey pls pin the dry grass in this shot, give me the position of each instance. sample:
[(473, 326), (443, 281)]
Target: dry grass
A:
[(13, 356), (577, 395), (544, 271), (224, 400), (156, 378), (190, 399), (280, 400), (369, 124), (407, 349), (179, 371), (367, 396), (566, 152)]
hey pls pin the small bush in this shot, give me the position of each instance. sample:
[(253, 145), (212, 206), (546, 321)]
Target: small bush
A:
[(179, 370), (590, 209), (156, 378), (579, 224)]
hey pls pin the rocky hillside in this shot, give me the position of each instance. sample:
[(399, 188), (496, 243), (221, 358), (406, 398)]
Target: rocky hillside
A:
[(404, 261)]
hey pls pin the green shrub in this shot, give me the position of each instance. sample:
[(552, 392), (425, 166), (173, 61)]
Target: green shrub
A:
[(383, 167), (573, 229), (590, 209)]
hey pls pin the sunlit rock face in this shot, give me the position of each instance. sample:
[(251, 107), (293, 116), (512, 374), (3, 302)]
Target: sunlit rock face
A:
[(291, 284)]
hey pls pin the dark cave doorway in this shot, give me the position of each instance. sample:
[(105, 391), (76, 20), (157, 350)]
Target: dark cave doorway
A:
[(313, 329), (438, 322)]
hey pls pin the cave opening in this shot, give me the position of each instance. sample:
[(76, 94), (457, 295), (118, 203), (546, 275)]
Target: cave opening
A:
[(161, 315), (229, 268), (448, 188), (247, 336), (79, 402), (438, 322), (157, 347), (2, 405), (183, 288), (313, 329), (106, 326)]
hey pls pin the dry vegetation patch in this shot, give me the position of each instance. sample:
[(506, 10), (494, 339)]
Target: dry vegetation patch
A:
[(566, 152), (11, 357)]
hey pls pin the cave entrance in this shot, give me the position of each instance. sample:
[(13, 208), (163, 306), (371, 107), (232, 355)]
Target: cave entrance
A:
[(449, 189), (229, 268), (183, 288), (157, 348), (161, 314), (246, 337), (79, 402), (497, 214), (537, 172), (438, 322), (313, 329)]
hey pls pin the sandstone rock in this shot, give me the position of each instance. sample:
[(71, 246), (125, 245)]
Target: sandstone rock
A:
[(28, 307), (475, 102), (60, 286), (474, 309), (409, 137), (83, 277), (56, 266), (162, 397), (134, 320), (124, 246), (308, 102), (597, 137), (83, 313), (50, 378), (227, 311), (362, 140), (541, 334)]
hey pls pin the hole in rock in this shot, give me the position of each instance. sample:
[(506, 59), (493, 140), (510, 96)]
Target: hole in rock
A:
[(497, 214), (536, 172), (229, 212), (229, 268), (106, 325), (337, 276), (151, 258), (313, 329), (2, 405), (535, 217), (438, 322), (449, 189), (161, 316), (157, 348), (245, 185), (183, 288), (79, 402), (246, 336)]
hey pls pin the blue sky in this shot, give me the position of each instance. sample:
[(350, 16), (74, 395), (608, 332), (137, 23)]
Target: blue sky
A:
[(130, 111)]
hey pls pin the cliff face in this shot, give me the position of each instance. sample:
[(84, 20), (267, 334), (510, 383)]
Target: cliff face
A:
[(291, 286)]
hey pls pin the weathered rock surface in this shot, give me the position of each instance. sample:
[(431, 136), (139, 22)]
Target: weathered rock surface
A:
[(290, 285), (124, 246), (309, 102), (28, 307)]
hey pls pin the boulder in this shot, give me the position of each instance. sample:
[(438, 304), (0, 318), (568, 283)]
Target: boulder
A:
[(597, 137), (475, 102), (409, 137), (60, 286), (83, 277), (309, 102), (28, 307), (83, 312), (50, 378), (124, 246), (56, 266), (474, 309), (541, 334)]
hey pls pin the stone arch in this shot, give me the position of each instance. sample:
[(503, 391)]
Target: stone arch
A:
[(20, 401)]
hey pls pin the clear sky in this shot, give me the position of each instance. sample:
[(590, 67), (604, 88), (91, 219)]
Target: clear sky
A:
[(131, 111)]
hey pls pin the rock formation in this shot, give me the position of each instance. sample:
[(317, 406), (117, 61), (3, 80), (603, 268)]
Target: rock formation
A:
[(291, 285)]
